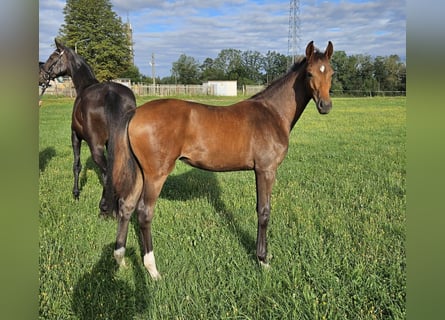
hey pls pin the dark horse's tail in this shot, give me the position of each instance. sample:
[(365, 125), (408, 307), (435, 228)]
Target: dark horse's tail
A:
[(121, 163)]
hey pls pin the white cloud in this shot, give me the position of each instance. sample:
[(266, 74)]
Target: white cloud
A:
[(202, 29)]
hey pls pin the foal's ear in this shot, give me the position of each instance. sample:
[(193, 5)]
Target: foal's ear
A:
[(329, 50), (310, 50)]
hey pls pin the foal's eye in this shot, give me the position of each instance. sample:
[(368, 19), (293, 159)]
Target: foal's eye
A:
[(309, 74)]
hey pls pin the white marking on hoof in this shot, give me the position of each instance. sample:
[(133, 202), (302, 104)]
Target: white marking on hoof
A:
[(150, 265), (264, 265), (119, 256)]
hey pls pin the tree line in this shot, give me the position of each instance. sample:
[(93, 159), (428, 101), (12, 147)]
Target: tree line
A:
[(354, 74), (100, 36)]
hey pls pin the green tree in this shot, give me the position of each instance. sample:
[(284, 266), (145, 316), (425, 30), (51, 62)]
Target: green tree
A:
[(252, 65), (107, 49), (364, 74), (186, 70), (340, 65), (209, 71), (132, 73), (228, 63), (396, 73), (401, 76), (275, 65), (359, 75)]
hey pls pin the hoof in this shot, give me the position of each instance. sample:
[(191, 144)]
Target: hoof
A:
[(103, 205), (264, 265), (156, 277), (107, 215), (150, 265), (122, 265), (119, 256)]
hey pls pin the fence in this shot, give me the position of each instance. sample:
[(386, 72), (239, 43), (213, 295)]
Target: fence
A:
[(367, 93), (66, 88), (61, 88), (250, 90), (171, 90)]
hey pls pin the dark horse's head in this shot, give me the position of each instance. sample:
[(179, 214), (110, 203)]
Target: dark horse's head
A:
[(41, 74), (56, 65), (319, 75)]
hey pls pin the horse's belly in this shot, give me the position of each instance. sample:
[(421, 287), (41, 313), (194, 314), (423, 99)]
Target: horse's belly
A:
[(218, 159)]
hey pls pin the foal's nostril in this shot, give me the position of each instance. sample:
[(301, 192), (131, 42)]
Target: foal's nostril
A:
[(324, 106)]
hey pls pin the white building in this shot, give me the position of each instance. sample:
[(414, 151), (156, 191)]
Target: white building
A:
[(222, 88)]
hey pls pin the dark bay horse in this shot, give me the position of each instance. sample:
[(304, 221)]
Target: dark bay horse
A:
[(250, 135), (92, 103)]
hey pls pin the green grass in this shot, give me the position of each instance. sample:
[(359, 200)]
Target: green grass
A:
[(337, 231)]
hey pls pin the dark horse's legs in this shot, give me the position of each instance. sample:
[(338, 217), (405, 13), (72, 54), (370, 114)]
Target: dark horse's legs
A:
[(264, 183), (76, 143), (97, 151)]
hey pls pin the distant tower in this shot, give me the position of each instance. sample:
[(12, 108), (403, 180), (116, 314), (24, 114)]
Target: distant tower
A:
[(129, 31), (294, 30)]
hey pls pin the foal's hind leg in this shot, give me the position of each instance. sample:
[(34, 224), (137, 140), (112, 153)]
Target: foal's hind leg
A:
[(127, 205), (126, 208), (145, 212), (76, 143)]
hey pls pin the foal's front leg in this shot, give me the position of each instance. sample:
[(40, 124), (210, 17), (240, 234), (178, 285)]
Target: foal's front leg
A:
[(76, 143), (264, 183)]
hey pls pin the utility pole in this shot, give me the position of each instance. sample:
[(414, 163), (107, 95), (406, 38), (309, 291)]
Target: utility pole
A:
[(153, 68)]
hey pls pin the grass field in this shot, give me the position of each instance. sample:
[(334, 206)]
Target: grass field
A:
[(337, 231)]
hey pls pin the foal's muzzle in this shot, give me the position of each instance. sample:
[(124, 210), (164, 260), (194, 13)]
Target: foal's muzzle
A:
[(323, 106)]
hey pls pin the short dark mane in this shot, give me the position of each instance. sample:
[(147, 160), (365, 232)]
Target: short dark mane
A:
[(81, 64), (277, 84)]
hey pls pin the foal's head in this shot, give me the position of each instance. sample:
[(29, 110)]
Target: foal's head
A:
[(56, 65), (319, 75)]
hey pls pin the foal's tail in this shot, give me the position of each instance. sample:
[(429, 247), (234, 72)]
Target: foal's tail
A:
[(121, 163)]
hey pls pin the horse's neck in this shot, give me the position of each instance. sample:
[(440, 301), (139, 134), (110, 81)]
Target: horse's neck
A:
[(288, 102), (301, 101), (82, 77)]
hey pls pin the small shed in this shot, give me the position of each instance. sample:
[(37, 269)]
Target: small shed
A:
[(223, 88)]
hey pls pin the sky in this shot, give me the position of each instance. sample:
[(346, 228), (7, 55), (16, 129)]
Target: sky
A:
[(201, 29)]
